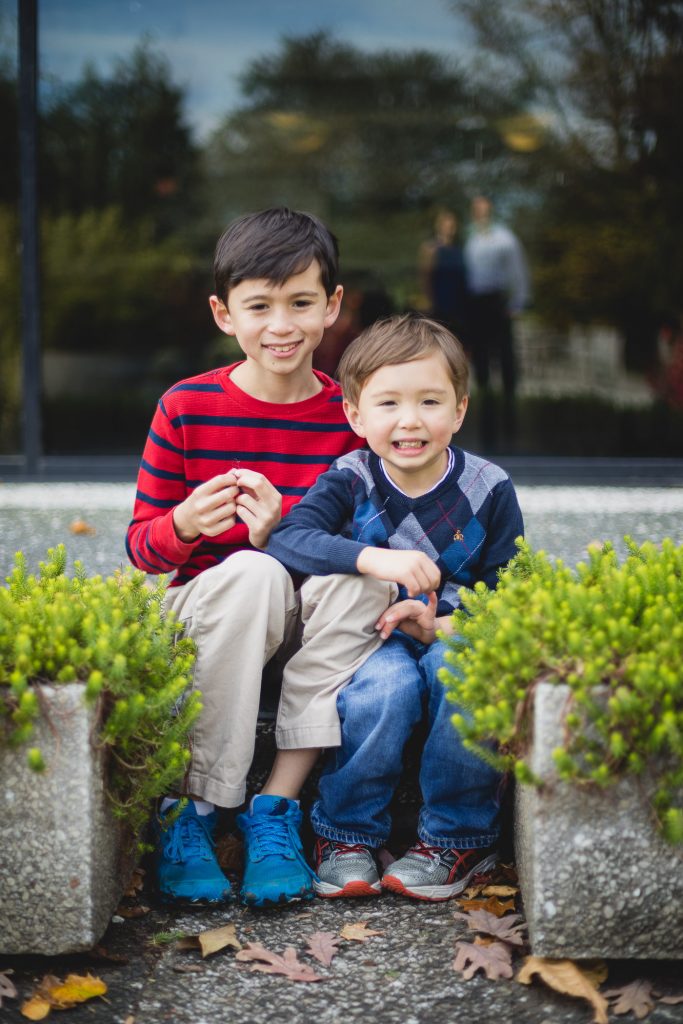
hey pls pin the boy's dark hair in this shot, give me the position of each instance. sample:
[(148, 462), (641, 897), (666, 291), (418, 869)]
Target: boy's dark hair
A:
[(400, 339), (274, 245)]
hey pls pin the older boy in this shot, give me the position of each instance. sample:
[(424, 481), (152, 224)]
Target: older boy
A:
[(413, 498), (228, 454)]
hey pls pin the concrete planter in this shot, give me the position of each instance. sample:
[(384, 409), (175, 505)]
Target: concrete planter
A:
[(596, 878), (62, 862)]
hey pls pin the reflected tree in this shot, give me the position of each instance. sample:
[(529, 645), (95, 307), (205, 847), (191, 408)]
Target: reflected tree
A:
[(605, 77)]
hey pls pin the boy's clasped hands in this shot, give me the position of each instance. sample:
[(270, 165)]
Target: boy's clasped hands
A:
[(212, 508)]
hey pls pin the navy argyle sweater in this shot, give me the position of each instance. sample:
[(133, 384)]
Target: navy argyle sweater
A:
[(467, 524)]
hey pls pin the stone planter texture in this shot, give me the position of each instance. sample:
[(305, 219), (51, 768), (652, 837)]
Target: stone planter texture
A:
[(62, 865), (596, 878)]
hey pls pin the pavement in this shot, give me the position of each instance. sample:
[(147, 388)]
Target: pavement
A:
[(405, 974)]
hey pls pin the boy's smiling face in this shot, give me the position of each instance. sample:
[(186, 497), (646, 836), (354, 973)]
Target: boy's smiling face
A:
[(278, 327), (408, 413)]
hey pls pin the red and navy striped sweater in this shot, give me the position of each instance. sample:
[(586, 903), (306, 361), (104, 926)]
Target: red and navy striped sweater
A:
[(206, 425)]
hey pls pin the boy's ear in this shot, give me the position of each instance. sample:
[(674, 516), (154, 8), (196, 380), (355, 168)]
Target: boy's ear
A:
[(333, 305), (460, 413), (353, 416), (221, 315)]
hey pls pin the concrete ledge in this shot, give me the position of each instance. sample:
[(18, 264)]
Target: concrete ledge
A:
[(596, 879), (62, 869)]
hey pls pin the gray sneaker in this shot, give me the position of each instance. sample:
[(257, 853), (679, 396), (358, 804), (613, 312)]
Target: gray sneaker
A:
[(436, 873), (345, 869)]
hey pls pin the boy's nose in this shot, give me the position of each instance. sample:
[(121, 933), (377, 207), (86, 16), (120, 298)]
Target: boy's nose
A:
[(280, 322), (410, 417)]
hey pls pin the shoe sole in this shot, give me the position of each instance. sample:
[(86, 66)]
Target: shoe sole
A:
[(438, 893), (355, 888), (249, 900)]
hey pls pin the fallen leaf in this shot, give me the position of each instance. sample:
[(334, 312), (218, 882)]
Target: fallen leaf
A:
[(493, 960), (323, 946), (472, 890), (636, 997), (129, 912), (36, 1008), (596, 971), (79, 526), (188, 968), (215, 939), (136, 883), (272, 963), (508, 872), (229, 853), (100, 953), (507, 929), (566, 977), (7, 988), (130, 1019), (358, 932), (77, 988), (500, 890), (671, 1000), (493, 905)]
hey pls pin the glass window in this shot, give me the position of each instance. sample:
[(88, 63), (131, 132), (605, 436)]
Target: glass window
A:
[(514, 173)]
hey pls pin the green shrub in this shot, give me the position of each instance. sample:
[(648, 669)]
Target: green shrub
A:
[(112, 635), (613, 633)]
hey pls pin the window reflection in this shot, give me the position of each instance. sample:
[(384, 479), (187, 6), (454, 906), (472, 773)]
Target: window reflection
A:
[(159, 123)]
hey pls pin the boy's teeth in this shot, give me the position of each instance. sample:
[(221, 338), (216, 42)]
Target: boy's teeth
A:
[(409, 444)]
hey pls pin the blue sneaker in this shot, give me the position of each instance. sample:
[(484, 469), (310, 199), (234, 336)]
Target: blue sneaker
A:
[(275, 869), (187, 868)]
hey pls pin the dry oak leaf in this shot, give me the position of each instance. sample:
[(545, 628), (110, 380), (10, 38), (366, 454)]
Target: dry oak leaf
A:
[(229, 853), (137, 881), (358, 932), (7, 987), (323, 946), (211, 941), (507, 929), (272, 963), (493, 960), (492, 904), (566, 977), (79, 526), (636, 997)]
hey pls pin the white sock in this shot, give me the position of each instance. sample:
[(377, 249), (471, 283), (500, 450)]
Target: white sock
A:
[(202, 807)]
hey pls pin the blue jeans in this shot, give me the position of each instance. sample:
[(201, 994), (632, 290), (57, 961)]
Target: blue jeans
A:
[(378, 710)]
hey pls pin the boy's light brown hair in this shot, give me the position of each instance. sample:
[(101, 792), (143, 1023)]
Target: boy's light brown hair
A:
[(400, 339)]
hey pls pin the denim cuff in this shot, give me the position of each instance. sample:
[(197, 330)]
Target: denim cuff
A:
[(340, 835), (478, 842)]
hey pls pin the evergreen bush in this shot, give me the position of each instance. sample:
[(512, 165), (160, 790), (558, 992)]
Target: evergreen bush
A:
[(112, 635), (613, 633)]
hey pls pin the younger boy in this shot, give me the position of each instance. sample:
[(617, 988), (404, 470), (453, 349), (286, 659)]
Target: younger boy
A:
[(228, 454), (412, 496)]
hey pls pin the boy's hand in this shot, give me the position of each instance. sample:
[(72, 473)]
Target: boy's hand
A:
[(259, 505), (413, 569), (210, 509), (412, 617)]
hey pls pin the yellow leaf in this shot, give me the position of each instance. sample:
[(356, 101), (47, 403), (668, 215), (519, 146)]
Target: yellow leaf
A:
[(492, 904), (77, 988), (35, 1008), (79, 526), (499, 890), (566, 977), (214, 939), (358, 932)]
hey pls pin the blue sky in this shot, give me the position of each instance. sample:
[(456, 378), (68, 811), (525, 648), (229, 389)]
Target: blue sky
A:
[(209, 42)]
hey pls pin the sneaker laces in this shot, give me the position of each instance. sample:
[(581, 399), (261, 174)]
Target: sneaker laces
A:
[(188, 836), (342, 849), (424, 850), (273, 837)]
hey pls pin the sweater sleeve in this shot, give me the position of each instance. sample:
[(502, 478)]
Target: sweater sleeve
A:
[(151, 540), (504, 526), (310, 539)]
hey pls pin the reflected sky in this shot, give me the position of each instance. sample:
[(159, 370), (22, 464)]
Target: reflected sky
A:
[(209, 43)]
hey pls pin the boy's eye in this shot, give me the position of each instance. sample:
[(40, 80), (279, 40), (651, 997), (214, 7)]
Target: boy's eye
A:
[(388, 403), (257, 307), (431, 401), (303, 303)]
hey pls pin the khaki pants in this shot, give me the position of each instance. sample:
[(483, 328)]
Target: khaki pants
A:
[(240, 613)]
